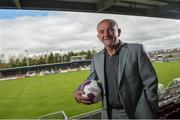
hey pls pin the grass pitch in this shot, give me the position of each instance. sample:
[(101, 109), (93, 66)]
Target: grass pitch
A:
[(33, 97), (167, 71)]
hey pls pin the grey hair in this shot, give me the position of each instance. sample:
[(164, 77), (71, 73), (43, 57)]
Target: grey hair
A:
[(113, 22)]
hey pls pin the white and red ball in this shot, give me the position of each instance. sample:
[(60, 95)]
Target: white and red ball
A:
[(93, 90)]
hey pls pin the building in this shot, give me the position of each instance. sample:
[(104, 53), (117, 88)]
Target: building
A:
[(77, 58)]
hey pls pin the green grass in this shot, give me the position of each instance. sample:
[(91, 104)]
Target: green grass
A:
[(34, 97), (167, 71)]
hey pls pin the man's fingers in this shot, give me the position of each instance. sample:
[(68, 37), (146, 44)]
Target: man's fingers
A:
[(85, 101), (80, 99)]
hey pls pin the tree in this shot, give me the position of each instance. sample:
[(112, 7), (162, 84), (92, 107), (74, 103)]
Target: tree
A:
[(46, 58), (2, 60), (24, 61), (82, 53), (31, 61), (2, 56), (51, 58), (66, 58), (71, 53), (17, 62), (56, 58), (41, 60), (12, 61), (89, 55)]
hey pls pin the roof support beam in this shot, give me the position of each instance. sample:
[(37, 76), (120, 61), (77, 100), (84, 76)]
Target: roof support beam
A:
[(18, 4), (104, 4), (58, 5), (125, 11), (164, 9), (146, 2)]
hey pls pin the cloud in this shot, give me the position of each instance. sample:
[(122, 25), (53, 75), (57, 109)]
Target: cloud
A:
[(77, 31)]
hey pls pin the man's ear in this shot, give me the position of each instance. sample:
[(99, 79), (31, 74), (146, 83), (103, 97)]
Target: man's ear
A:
[(119, 32)]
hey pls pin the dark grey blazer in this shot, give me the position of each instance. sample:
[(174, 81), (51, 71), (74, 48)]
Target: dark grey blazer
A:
[(137, 81)]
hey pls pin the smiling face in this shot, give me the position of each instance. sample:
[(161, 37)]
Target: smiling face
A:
[(108, 33)]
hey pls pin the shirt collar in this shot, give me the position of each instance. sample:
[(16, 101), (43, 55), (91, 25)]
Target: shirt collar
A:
[(117, 52)]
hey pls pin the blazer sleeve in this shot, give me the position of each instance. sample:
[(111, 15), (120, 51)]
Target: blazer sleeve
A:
[(92, 75), (149, 78)]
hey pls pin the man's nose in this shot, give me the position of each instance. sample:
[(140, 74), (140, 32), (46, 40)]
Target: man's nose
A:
[(107, 33)]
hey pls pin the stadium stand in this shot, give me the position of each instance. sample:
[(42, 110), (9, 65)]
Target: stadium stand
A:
[(27, 71), (169, 102), (44, 72), (30, 73), (161, 89)]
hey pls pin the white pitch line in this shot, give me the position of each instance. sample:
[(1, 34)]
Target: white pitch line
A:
[(27, 86), (21, 97)]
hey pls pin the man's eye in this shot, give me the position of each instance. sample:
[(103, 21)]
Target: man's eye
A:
[(101, 31), (111, 30)]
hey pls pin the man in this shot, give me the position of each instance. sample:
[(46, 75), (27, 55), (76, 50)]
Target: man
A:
[(127, 76)]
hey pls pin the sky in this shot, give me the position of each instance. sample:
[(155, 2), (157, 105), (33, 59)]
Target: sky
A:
[(46, 31)]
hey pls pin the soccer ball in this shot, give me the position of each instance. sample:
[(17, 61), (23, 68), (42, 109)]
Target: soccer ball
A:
[(93, 90)]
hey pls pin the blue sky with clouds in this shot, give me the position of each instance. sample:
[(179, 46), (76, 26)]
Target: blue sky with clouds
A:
[(42, 31), (11, 13)]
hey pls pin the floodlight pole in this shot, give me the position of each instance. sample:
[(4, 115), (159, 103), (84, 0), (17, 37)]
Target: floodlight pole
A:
[(61, 55), (27, 62), (47, 57)]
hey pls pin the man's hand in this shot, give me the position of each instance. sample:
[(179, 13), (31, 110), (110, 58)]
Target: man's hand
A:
[(80, 99)]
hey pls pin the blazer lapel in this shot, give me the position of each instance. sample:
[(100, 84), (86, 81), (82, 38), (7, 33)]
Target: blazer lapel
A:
[(122, 61), (101, 67)]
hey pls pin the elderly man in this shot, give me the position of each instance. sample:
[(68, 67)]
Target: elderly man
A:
[(128, 78)]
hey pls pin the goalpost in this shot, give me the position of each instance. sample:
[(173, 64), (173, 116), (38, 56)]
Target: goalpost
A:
[(96, 114), (55, 115), (61, 115)]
